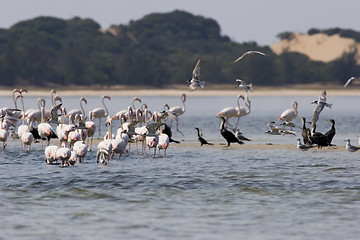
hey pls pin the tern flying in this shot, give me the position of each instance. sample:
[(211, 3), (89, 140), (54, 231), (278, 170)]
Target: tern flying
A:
[(195, 81), (320, 104)]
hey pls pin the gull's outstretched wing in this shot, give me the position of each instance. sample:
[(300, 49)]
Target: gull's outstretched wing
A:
[(249, 53), (349, 81)]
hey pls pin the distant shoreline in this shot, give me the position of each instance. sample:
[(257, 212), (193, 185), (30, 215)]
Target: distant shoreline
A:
[(221, 90)]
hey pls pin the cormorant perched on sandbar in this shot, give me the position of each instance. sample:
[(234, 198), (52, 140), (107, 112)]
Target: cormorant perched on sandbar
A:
[(331, 133), (318, 138), (229, 136), (201, 139), (305, 133)]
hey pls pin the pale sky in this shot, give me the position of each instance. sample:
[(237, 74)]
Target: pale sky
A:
[(241, 20)]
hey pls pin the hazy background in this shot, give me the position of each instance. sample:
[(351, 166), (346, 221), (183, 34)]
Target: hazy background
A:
[(241, 20)]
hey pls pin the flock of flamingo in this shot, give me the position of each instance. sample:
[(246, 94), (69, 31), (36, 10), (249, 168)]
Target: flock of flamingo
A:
[(75, 129)]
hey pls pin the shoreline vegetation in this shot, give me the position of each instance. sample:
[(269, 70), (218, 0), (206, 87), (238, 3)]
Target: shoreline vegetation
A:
[(175, 90)]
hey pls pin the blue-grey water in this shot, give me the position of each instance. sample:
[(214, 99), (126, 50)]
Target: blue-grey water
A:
[(193, 192)]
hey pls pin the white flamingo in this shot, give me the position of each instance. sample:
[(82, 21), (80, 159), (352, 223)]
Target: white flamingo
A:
[(27, 138), (104, 152), (118, 144), (80, 149), (230, 112), (99, 112), (63, 154), (241, 112), (3, 133), (163, 142), (151, 142), (177, 111), (44, 128), (50, 154), (23, 129), (71, 115), (289, 114), (91, 129)]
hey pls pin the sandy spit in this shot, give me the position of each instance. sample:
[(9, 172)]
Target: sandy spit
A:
[(221, 91)]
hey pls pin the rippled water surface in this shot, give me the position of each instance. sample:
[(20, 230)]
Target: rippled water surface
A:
[(193, 192)]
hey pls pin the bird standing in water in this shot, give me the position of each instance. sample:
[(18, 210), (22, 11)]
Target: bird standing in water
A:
[(201, 139)]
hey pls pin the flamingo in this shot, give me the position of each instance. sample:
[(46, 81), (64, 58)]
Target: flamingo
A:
[(163, 143), (99, 112), (152, 141), (289, 114), (104, 152), (241, 112), (91, 128), (230, 112), (72, 159), (3, 133), (50, 154), (44, 128), (27, 138), (71, 115), (80, 149), (175, 112), (118, 144), (63, 154), (24, 129)]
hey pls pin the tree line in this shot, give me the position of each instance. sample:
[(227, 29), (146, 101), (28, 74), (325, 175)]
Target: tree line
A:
[(157, 50)]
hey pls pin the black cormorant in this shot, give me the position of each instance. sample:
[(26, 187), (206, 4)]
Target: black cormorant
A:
[(201, 139), (331, 133), (229, 136)]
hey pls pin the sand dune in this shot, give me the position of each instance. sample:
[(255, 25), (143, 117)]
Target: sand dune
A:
[(318, 47)]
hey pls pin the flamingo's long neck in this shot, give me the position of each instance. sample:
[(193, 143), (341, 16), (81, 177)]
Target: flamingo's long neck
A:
[(248, 104), (110, 129), (184, 108), (52, 97), (295, 107), (23, 110), (14, 98), (106, 110), (238, 103), (222, 126), (82, 108)]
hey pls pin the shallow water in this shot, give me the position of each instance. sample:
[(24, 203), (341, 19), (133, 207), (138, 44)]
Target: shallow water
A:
[(193, 192)]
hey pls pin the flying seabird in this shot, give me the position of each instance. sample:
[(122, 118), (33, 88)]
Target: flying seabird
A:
[(350, 80), (320, 104), (249, 53), (243, 85), (195, 81)]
